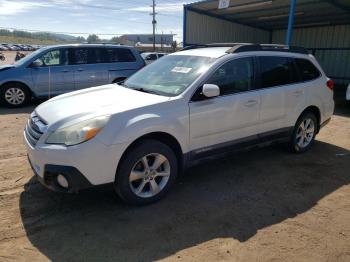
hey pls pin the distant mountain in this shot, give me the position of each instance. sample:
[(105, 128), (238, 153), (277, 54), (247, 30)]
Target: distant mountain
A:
[(60, 36), (41, 36)]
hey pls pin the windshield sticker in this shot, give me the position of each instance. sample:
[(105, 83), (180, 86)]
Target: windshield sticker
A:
[(179, 69)]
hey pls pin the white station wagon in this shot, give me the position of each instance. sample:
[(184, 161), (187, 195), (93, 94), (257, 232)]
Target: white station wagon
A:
[(182, 109)]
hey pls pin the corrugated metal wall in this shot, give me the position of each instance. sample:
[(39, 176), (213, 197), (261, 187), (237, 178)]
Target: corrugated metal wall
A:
[(336, 63), (203, 29)]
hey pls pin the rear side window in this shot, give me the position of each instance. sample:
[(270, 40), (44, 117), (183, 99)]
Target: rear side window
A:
[(95, 55), (114, 55), (307, 70), (78, 56), (276, 71)]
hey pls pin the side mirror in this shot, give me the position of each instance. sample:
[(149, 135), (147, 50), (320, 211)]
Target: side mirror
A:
[(36, 63), (210, 90)]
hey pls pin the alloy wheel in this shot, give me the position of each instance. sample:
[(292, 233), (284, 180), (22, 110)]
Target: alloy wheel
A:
[(305, 132), (14, 96), (149, 175)]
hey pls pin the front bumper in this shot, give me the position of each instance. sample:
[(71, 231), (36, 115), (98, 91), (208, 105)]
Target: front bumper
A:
[(76, 180), (88, 164)]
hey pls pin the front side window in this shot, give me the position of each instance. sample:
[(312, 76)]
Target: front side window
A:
[(170, 75), (307, 70), (234, 76), (53, 58), (276, 71)]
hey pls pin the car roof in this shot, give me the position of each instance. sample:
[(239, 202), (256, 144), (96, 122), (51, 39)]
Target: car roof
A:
[(88, 45), (216, 52), (213, 52)]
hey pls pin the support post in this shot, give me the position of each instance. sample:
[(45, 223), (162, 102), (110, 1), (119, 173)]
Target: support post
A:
[(154, 24), (184, 27), (290, 22)]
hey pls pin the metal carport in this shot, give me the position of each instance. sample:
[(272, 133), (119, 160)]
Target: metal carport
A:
[(322, 26)]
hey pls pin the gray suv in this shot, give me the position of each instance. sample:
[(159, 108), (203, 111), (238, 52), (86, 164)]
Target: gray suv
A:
[(55, 70)]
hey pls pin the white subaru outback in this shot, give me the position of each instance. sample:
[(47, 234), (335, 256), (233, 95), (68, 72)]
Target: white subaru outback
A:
[(183, 108)]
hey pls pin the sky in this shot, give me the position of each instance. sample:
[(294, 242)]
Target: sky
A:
[(92, 16)]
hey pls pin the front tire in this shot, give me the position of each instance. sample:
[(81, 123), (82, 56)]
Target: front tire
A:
[(146, 173), (304, 133), (14, 95)]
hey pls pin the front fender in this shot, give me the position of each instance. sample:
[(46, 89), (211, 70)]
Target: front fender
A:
[(128, 129)]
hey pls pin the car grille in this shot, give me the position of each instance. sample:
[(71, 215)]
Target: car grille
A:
[(34, 129)]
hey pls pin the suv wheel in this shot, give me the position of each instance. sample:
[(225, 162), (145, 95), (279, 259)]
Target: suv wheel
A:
[(304, 133), (146, 173), (14, 95)]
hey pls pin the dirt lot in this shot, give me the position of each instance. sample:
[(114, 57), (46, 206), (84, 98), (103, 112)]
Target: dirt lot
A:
[(262, 205), (10, 56)]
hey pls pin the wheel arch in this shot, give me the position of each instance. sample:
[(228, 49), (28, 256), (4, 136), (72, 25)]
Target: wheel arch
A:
[(118, 79), (18, 82), (316, 111), (163, 137)]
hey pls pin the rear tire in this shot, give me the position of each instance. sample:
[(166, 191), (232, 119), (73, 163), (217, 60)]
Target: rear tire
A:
[(146, 173), (304, 133), (14, 95)]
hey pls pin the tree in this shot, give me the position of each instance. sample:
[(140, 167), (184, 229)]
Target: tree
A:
[(92, 38), (80, 39)]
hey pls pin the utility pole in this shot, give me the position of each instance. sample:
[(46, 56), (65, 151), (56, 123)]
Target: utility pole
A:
[(154, 22)]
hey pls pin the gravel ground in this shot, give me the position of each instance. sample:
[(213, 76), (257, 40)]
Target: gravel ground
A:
[(10, 56), (261, 205)]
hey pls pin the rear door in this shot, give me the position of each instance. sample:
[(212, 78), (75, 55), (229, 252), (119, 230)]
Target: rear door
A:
[(217, 123), (278, 78), (89, 70)]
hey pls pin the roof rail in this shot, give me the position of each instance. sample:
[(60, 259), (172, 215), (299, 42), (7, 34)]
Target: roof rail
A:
[(249, 47)]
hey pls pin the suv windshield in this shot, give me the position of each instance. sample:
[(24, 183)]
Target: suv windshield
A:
[(170, 75)]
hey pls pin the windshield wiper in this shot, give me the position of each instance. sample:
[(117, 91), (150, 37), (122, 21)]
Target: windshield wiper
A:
[(141, 89)]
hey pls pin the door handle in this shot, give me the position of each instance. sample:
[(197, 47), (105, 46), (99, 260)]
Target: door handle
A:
[(64, 71), (298, 92), (80, 69), (251, 103)]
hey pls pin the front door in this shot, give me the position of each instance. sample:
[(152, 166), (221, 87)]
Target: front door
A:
[(231, 117), (54, 76)]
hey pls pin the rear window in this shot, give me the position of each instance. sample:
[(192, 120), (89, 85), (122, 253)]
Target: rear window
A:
[(114, 55), (307, 70), (276, 71)]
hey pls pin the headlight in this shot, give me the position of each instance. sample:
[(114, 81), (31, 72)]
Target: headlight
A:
[(78, 133)]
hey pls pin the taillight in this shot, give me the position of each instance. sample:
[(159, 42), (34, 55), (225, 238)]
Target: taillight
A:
[(330, 84)]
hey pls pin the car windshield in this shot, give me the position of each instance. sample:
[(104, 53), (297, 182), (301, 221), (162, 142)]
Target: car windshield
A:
[(169, 76), (143, 55), (28, 57)]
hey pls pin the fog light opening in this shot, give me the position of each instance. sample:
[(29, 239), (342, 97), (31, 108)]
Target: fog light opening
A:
[(62, 181)]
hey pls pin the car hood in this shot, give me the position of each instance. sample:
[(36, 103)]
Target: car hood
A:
[(6, 67), (97, 101)]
